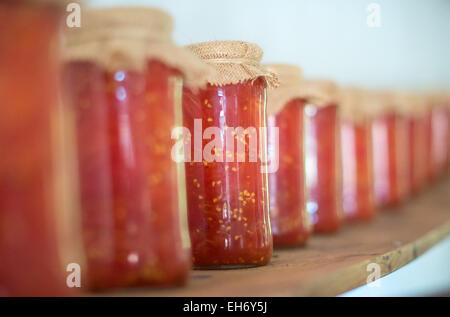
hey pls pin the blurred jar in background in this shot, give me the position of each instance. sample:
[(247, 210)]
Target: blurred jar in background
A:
[(123, 79), (446, 103), (286, 134), (439, 135), (413, 108), (227, 181), (429, 157), (35, 203), (323, 156), (356, 147), (390, 155)]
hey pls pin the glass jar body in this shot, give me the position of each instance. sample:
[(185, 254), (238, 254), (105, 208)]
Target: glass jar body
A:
[(417, 153), (132, 193), (357, 170), (289, 220), (323, 168), (29, 117), (227, 184), (448, 138), (440, 140), (391, 160), (431, 165)]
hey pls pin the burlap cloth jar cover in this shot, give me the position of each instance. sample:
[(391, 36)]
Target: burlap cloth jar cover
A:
[(290, 87), (410, 104), (352, 105), (126, 38), (233, 62), (320, 93), (380, 103)]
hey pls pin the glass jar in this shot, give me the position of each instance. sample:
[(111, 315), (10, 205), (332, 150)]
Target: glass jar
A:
[(227, 193), (357, 171), (391, 160), (357, 166), (431, 166), (440, 135), (417, 153), (31, 257), (132, 192), (446, 103), (412, 108), (322, 162), (290, 222), (287, 190)]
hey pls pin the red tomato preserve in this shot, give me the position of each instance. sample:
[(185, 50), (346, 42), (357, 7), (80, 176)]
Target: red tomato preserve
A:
[(391, 163), (448, 134), (29, 258), (357, 172), (323, 169), (131, 194), (417, 153), (430, 159), (440, 135), (447, 104), (290, 225), (226, 166), (228, 201)]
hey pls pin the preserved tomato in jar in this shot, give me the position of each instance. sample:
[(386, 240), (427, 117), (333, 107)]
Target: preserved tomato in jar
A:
[(31, 247), (439, 135), (323, 162), (431, 166), (391, 159), (445, 99), (413, 109), (357, 169), (126, 92), (286, 132), (226, 175), (417, 148)]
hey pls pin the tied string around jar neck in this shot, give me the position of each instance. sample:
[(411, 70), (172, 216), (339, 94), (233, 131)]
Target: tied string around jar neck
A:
[(240, 61), (290, 78), (127, 38), (233, 62)]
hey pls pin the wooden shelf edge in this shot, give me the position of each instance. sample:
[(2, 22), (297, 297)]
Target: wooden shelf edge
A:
[(330, 265), (389, 262)]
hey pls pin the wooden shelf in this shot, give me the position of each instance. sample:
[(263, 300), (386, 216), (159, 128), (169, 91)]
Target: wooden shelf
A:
[(332, 264)]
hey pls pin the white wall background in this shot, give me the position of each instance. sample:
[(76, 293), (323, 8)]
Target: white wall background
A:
[(327, 38)]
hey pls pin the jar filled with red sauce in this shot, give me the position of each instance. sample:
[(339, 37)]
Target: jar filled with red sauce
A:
[(440, 132), (390, 157), (428, 126), (226, 167), (286, 133), (32, 261), (446, 103), (322, 161), (413, 109), (123, 79), (356, 148)]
